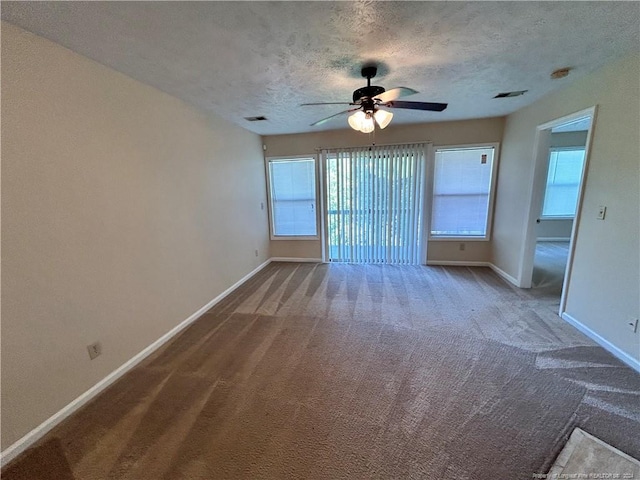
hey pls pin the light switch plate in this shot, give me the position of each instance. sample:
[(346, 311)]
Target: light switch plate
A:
[(602, 211), (95, 350)]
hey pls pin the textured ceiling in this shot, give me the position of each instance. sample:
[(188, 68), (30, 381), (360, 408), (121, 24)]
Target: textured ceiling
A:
[(240, 59)]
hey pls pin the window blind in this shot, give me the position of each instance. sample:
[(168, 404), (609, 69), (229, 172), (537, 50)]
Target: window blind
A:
[(375, 200), (461, 191), (293, 197)]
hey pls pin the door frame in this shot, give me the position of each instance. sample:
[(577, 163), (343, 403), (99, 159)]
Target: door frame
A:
[(536, 197), (322, 169)]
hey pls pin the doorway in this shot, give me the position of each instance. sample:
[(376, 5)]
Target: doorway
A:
[(561, 159)]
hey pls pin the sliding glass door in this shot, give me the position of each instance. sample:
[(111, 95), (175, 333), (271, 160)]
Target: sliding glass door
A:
[(374, 204)]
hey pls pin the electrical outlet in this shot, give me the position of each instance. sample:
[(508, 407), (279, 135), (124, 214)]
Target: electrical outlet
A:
[(633, 324), (95, 350), (256, 253), (462, 247), (602, 211), (261, 205)]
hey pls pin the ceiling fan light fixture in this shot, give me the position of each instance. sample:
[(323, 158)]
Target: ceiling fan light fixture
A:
[(383, 118), (368, 125), (355, 120), (362, 122)]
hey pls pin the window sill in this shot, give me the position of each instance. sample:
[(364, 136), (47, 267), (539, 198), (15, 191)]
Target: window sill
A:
[(458, 239)]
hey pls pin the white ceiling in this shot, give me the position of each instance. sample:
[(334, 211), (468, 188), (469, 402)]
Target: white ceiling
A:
[(241, 59)]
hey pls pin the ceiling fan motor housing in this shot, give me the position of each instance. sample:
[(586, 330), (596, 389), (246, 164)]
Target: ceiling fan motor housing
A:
[(369, 91)]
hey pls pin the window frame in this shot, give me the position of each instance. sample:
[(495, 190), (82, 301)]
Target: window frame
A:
[(267, 163), (544, 196), (492, 192)]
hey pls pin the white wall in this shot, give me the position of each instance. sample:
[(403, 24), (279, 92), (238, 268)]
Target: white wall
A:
[(554, 229), (487, 130), (605, 286), (123, 212)]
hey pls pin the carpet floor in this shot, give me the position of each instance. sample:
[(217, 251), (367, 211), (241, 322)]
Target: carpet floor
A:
[(316, 371), (549, 264)]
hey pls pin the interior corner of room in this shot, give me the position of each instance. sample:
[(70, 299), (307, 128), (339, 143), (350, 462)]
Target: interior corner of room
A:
[(128, 212)]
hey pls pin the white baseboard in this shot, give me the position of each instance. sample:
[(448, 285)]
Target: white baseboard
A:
[(553, 239), (504, 275), (37, 433), (458, 263), (603, 342), (297, 260)]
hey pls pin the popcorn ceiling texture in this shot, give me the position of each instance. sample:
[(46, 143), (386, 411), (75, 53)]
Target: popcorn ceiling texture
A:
[(239, 59)]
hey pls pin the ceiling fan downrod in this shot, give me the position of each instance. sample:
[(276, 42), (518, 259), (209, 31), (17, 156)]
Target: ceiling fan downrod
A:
[(370, 91)]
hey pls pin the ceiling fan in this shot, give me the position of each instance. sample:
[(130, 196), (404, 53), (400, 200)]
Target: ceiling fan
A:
[(368, 100)]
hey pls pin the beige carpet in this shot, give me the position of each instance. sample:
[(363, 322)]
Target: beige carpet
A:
[(346, 371), (549, 264)]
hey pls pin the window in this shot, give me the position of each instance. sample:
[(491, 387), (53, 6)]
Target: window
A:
[(292, 192), (375, 200), (563, 182), (462, 192)]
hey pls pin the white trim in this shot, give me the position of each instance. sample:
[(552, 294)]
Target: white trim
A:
[(458, 263), (322, 194), (464, 146), (296, 260), (460, 238), (568, 118), (427, 196), (578, 217), (504, 274), (553, 239), (535, 197), (603, 342), (37, 433)]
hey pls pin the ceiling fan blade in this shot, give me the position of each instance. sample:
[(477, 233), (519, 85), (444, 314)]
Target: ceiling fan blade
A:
[(320, 122), (394, 94), (326, 103), (432, 107)]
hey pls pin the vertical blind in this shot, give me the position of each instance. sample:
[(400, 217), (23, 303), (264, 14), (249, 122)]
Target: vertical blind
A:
[(293, 197), (461, 190), (375, 199), (563, 182)]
